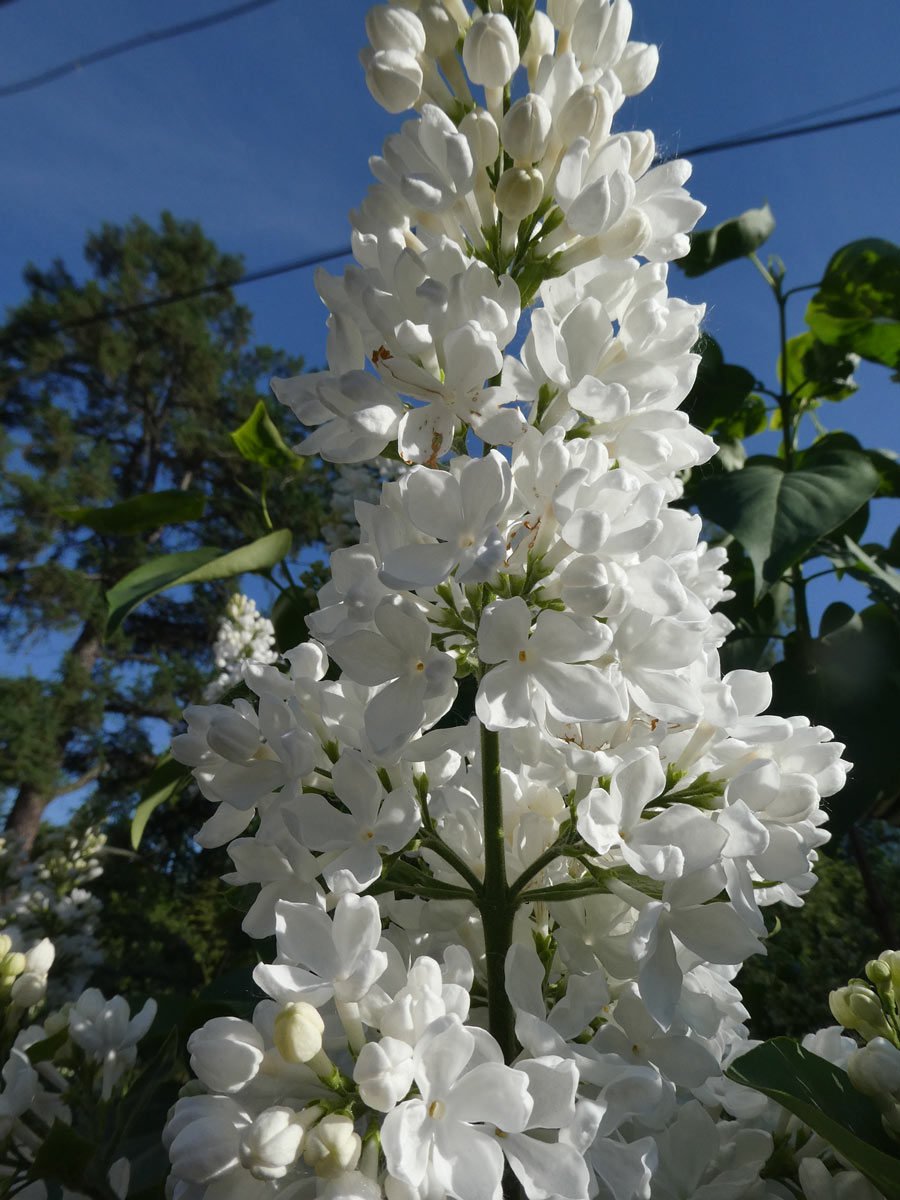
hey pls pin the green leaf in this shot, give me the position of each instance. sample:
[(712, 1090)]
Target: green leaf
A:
[(64, 1156), (259, 441), (858, 305), (777, 514), (140, 513), (192, 566), (46, 1048), (166, 780), (289, 620), (710, 248), (721, 400), (822, 1096), (816, 371), (886, 464), (848, 679)]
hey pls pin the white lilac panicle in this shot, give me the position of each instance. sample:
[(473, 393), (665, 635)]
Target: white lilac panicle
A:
[(514, 832), (244, 635)]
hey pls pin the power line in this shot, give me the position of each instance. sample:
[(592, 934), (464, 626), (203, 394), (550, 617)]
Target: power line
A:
[(112, 314), (786, 122), (298, 264), (735, 143), (135, 43)]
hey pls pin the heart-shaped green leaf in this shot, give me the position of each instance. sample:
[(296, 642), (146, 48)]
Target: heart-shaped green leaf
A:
[(777, 514)]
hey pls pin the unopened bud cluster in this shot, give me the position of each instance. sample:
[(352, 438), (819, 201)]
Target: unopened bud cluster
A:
[(871, 1008)]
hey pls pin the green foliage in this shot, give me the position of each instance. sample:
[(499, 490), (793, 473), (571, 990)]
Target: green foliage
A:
[(818, 947), (821, 1095), (711, 248), (259, 441), (140, 513), (778, 512), (117, 450), (192, 566), (857, 307), (787, 513), (164, 783)]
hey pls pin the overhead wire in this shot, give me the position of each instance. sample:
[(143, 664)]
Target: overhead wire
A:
[(736, 143), (134, 43), (731, 143)]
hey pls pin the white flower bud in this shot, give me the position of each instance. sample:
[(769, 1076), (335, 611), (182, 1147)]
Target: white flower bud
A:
[(332, 1146), (480, 130), (389, 27), (526, 129), (563, 12), (298, 1032), (231, 735), (875, 1069), (491, 50), (519, 192), (393, 77), (384, 1073), (441, 31), (541, 41), (857, 1007), (202, 1138), (637, 66), (13, 964), (40, 957), (226, 1053), (578, 116), (5, 941), (643, 148), (29, 989), (271, 1145)]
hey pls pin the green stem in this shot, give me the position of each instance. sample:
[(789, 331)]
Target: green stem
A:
[(496, 906), (442, 850)]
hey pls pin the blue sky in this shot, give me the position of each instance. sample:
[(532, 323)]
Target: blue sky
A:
[(261, 128)]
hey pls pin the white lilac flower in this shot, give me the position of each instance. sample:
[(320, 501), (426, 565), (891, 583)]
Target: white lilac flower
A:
[(106, 1030), (549, 670), (442, 1128), (507, 939)]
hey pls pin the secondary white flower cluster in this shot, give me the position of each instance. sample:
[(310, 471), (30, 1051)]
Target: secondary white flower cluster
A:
[(73, 1060), (49, 897), (512, 829), (245, 635)]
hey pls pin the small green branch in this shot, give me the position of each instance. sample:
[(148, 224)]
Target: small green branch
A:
[(433, 843)]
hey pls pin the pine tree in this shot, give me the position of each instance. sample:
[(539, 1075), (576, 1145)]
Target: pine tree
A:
[(97, 412)]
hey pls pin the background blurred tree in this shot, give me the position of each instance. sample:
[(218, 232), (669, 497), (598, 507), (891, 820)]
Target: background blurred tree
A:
[(97, 412)]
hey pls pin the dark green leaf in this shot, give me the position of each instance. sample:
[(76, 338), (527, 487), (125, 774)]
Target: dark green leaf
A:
[(192, 566), (835, 617), (140, 513), (64, 1156), (886, 464), (721, 400), (710, 248), (857, 307), (289, 619), (816, 371), (45, 1049), (259, 441), (822, 1096), (166, 780), (777, 514), (848, 680)]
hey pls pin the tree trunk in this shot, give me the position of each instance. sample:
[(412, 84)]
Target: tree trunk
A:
[(24, 819)]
